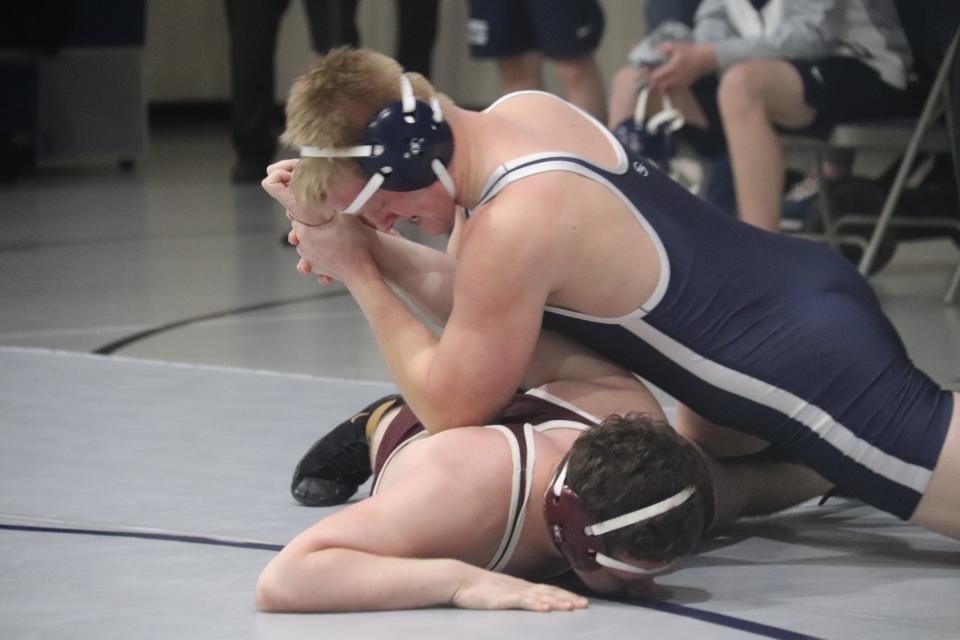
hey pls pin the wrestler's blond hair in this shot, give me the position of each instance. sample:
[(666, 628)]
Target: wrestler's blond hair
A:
[(330, 105)]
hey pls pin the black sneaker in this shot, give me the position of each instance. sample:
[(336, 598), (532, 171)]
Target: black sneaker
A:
[(336, 465)]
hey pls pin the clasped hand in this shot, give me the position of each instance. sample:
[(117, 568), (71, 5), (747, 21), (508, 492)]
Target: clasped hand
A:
[(334, 246)]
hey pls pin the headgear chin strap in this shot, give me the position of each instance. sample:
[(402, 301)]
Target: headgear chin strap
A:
[(580, 541), (407, 146)]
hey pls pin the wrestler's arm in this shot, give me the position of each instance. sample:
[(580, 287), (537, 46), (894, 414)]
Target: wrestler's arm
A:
[(386, 552), (745, 488), (422, 274), (500, 288)]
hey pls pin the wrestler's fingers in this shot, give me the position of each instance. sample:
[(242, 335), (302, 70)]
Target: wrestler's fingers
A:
[(278, 177), (287, 164), (546, 598)]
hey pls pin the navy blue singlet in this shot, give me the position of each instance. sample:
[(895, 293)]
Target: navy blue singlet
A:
[(774, 336)]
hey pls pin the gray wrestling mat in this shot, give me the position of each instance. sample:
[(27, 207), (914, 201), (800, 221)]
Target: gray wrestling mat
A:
[(118, 474)]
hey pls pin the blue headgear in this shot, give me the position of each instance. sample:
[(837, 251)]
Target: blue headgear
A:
[(406, 147)]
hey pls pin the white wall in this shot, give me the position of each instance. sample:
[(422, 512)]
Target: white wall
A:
[(186, 50)]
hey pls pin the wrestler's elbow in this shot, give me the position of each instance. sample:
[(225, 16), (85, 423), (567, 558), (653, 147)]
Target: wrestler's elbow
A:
[(440, 406), (269, 595), (455, 411), (295, 585)]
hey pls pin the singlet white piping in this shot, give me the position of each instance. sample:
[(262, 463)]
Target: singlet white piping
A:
[(383, 467), (550, 425), (515, 526), (660, 290), (514, 489), (508, 173), (543, 394), (620, 167), (786, 403)]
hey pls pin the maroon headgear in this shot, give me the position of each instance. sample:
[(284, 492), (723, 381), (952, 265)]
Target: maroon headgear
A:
[(578, 536)]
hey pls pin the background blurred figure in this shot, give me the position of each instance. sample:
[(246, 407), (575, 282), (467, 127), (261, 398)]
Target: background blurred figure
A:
[(416, 33), (253, 26), (801, 66), (518, 34), (659, 11), (717, 187)]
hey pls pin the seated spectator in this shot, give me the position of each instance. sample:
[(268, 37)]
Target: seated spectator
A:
[(753, 67)]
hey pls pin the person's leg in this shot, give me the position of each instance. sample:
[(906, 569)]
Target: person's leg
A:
[(583, 83), (623, 94), (253, 34), (939, 509), (332, 23), (337, 464), (521, 71), (754, 96), (416, 33), (501, 30), (569, 32), (623, 99)]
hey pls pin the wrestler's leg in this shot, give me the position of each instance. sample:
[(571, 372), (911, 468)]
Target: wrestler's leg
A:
[(939, 509), (337, 464), (720, 442)]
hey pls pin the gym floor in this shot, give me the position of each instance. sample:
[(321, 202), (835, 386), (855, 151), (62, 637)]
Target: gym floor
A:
[(162, 367)]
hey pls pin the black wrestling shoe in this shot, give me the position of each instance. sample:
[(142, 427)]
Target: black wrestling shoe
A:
[(337, 464)]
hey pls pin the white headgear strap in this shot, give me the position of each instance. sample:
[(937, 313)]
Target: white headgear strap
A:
[(409, 104), (668, 114), (625, 520)]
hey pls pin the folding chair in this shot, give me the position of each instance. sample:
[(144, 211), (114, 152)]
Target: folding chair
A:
[(939, 100)]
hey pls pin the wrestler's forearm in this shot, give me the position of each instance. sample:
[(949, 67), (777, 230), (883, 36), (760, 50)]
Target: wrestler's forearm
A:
[(423, 275), (409, 348), (760, 488), (340, 579)]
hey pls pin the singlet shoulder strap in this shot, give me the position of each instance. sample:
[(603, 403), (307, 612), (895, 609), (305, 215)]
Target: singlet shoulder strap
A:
[(545, 161), (543, 394), (523, 452)]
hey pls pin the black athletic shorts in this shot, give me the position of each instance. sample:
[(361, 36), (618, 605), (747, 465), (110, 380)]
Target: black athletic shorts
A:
[(840, 89), (559, 28)]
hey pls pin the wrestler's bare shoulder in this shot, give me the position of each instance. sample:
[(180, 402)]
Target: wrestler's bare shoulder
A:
[(536, 122), (462, 455)]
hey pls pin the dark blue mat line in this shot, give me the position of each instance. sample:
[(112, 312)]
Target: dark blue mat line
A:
[(747, 626), (710, 617), (146, 535), (126, 341)]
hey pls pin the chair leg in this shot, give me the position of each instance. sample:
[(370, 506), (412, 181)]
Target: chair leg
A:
[(926, 118), (952, 289), (825, 205)]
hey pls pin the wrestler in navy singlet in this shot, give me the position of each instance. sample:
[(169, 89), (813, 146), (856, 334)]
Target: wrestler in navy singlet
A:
[(775, 336)]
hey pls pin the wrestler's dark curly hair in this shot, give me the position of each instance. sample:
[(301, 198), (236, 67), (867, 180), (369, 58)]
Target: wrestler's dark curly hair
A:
[(631, 462)]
